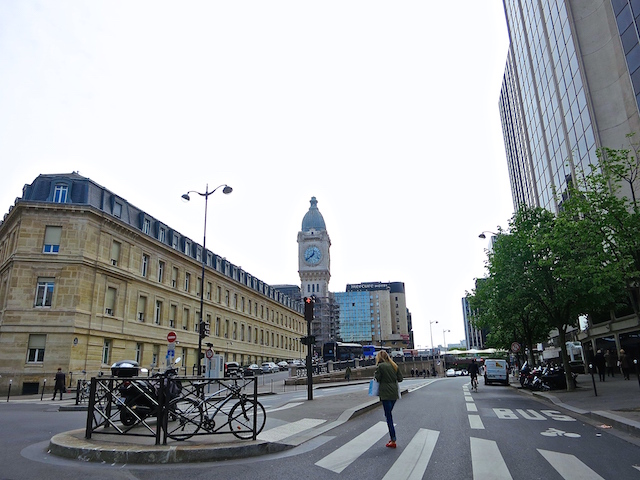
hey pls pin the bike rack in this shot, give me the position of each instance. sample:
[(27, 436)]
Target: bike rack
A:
[(175, 417)]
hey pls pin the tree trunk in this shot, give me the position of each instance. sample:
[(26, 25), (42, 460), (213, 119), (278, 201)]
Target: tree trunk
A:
[(565, 359)]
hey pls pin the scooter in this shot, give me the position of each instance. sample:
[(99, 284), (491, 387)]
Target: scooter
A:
[(139, 399)]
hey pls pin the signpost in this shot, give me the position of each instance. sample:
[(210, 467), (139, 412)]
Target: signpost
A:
[(171, 348)]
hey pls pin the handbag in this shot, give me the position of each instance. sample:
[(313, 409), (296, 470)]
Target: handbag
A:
[(374, 387)]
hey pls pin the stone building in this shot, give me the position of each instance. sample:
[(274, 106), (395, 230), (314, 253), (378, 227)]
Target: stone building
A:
[(87, 279)]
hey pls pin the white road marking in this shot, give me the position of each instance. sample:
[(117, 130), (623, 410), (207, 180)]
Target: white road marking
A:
[(471, 407), (283, 431), (569, 467), (284, 407), (475, 422), (487, 461), (345, 455), (414, 459)]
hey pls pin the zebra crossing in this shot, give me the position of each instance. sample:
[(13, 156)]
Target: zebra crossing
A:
[(486, 458)]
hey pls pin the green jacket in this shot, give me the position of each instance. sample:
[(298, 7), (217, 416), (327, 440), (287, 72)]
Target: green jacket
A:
[(388, 378)]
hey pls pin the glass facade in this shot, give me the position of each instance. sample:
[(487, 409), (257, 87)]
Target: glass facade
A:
[(627, 14), (547, 126), (355, 316)]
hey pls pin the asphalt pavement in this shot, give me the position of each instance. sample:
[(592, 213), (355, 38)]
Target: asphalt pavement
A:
[(616, 406)]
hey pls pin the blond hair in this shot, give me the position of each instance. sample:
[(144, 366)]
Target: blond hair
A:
[(383, 356)]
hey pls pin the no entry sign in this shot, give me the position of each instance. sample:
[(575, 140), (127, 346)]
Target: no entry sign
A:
[(171, 337)]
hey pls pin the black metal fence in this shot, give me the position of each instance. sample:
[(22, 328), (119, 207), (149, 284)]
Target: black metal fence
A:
[(171, 407)]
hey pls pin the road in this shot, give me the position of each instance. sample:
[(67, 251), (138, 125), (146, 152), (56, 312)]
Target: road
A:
[(444, 432)]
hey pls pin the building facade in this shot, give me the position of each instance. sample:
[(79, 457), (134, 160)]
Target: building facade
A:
[(87, 279), (474, 337), (375, 312), (571, 86)]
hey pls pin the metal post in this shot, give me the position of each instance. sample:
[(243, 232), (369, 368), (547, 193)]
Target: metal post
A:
[(593, 379), (309, 365), (9, 392), (43, 387)]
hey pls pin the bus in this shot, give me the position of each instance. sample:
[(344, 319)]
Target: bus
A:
[(339, 351), (370, 351)]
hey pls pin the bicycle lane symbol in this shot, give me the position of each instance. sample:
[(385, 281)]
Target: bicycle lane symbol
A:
[(554, 432)]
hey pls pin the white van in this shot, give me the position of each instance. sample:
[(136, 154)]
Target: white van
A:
[(496, 371)]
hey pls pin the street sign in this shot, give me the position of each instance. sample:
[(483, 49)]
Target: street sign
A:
[(209, 354), (171, 337), (515, 347)]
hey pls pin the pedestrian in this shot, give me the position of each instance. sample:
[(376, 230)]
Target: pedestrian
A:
[(59, 384), (388, 374), (610, 363), (347, 373), (424, 373), (623, 361), (600, 364), (413, 372)]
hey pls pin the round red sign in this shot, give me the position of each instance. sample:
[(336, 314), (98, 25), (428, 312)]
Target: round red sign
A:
[(171, 337), (209, 354)]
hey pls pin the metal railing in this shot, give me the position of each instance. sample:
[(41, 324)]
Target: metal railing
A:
[(171, 407)]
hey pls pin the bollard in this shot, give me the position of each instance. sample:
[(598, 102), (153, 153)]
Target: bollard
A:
[(593, 379), (635, 364), (9, 392), (44, 384)]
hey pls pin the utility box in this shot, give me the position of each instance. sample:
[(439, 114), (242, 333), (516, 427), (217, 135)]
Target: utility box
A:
[(214, 366)]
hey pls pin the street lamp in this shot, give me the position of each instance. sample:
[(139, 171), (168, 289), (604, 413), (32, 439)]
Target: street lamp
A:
[(444, 339), (226, 190), (433, 358), (483, 236)]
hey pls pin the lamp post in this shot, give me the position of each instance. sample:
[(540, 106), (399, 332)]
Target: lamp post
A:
[(433, 358), (444, 339), (483, 236), (226, 190)]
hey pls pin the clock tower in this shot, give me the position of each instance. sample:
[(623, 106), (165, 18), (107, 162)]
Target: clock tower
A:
[(313, 254)]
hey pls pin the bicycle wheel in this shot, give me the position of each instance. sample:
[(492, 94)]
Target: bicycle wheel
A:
[(185, 419), (241, 419)]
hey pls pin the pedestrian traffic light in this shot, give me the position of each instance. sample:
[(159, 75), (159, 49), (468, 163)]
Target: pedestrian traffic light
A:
[(309, 303)]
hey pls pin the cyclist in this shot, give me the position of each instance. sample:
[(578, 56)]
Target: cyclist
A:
[(473, 373)]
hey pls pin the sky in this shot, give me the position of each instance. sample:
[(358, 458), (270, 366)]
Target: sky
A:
[(386, 112)]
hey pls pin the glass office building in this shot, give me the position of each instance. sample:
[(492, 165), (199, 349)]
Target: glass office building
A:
[(355, 316), (567, 91)]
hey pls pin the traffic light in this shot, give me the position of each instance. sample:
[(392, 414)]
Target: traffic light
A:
[(308, 340), (309, 303), (205, 329)]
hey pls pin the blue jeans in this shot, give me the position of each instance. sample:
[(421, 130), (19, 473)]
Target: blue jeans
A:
[(388, 406)]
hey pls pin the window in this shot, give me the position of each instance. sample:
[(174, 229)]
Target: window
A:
[(162, 234), (198, 286), (155, 355), (106, 351), (187, 281), (226, 329), (172, 316), (235, 330), (174, 277), (115, 253), (158, 314), (174, 243), (226, 297), (145, 265), (185, 319), (60, 193), (138, 352), (146, 226), (36, 348), (217, 330), (187, 248), (52, 239), (44, 292), (218, 293), (160, 271), (117, 209), (110, 301), (142, 306), (209, 290)]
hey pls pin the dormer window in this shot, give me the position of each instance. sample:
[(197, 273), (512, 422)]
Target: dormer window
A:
[(117, 210), (146, 226), (60, 193)]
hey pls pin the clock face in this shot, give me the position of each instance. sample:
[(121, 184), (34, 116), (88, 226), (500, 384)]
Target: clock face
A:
[(312, 255)]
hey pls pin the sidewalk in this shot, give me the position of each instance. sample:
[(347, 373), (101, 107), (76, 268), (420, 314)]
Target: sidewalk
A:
[(616, 406)]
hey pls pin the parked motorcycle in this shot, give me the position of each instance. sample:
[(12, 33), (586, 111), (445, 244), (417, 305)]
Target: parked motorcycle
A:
[(139, 399)]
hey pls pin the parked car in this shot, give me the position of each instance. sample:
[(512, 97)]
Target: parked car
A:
[(451, 373), (253, 369), (270, 367), (232, 369), (495, 370), (296, 363), (283, 365)]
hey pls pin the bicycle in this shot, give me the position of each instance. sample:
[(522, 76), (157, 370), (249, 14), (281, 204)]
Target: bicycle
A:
[(192, 415), (474, 383)]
